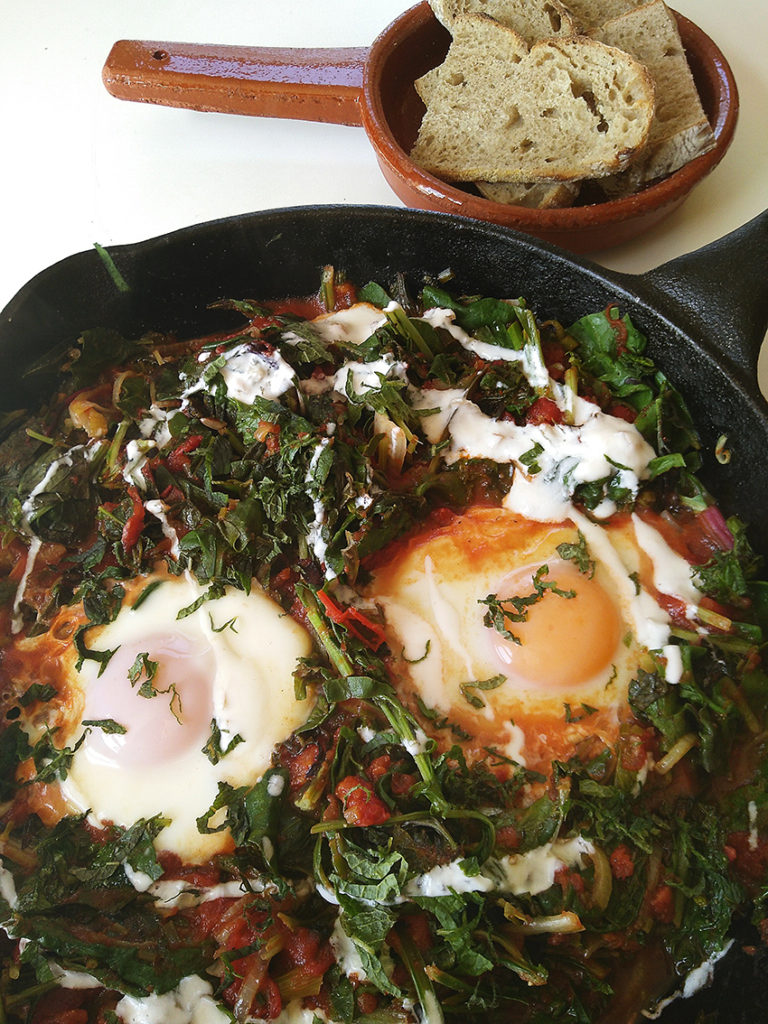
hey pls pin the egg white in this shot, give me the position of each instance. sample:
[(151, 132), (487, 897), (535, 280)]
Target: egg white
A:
[(231, 660), (431, 591)]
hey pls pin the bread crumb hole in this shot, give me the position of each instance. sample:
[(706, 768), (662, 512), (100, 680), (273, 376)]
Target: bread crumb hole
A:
[(526, 145), (549, 112), (513, 116), (555, 20), (456, 78)]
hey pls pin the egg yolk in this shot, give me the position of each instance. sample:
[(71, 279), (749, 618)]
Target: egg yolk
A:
[(165, 712), (570, 627)]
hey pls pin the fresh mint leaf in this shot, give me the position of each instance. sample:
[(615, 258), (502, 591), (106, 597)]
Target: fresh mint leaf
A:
[(213, 749)]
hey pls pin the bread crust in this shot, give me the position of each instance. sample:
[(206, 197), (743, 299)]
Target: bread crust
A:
[(539, 195), (680, 130), (532, 19)]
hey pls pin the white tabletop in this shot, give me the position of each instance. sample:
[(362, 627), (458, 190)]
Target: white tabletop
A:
[(79, 166)]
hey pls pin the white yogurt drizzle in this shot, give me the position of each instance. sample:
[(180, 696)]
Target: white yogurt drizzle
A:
[(249, 375), (569, 455), (360, 378), (27, 508), (179, 893), (315, 538), (529, 356), (158, 509), (190, 1003), (532, 872), (695, 980)]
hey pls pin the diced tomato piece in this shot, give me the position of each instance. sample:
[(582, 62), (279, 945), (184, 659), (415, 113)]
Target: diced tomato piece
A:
[(554, 358), (662, 903), (333, 811), (419, 930), (260, 322), (367, 1002), (402, 783), (379, 767), (507, 837), (171, 495), (622, 864), (62, 1006), (750, 857), (577, 882), (346, 294), (304, 949), (634, 748), (207, 916), (623, 412), (272, 439), (569, 880), (544, 410), (301, 765), (360, 804)]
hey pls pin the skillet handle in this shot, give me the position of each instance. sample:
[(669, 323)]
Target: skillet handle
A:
[(722, 291), (309, 84)]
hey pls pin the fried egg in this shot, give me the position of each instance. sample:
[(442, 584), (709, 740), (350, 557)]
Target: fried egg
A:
[(219, 677), (573, 631)]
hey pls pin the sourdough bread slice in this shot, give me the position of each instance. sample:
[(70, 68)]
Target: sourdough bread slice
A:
[(566, 109), (680, 130), (533, 19), (589, 14), (537, 195)]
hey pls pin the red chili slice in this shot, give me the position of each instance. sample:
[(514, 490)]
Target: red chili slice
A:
[(178, 461), (355, 622), (135, 522), (619, 329)]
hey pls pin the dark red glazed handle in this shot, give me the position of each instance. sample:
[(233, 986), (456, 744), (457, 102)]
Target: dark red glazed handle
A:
[(307, 84)]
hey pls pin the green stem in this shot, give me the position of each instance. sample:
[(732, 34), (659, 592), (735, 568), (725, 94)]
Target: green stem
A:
[(431, 1013), (397, 317), (338, 658), (403, 724)]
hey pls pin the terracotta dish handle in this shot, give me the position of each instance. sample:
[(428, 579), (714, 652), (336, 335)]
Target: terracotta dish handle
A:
[(310, 84)]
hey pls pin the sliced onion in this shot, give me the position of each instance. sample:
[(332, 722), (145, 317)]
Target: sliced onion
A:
[(560, 924), (676, 753), (717, 528), (394, 444), (252, 980), (603, 883)]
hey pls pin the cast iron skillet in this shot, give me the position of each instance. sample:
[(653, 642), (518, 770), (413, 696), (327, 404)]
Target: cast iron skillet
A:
[(705, 314)]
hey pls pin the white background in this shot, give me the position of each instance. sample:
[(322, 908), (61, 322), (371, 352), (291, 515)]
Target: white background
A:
[(78, 166)]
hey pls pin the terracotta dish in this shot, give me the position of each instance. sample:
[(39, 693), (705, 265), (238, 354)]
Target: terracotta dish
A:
[(374, 88)]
